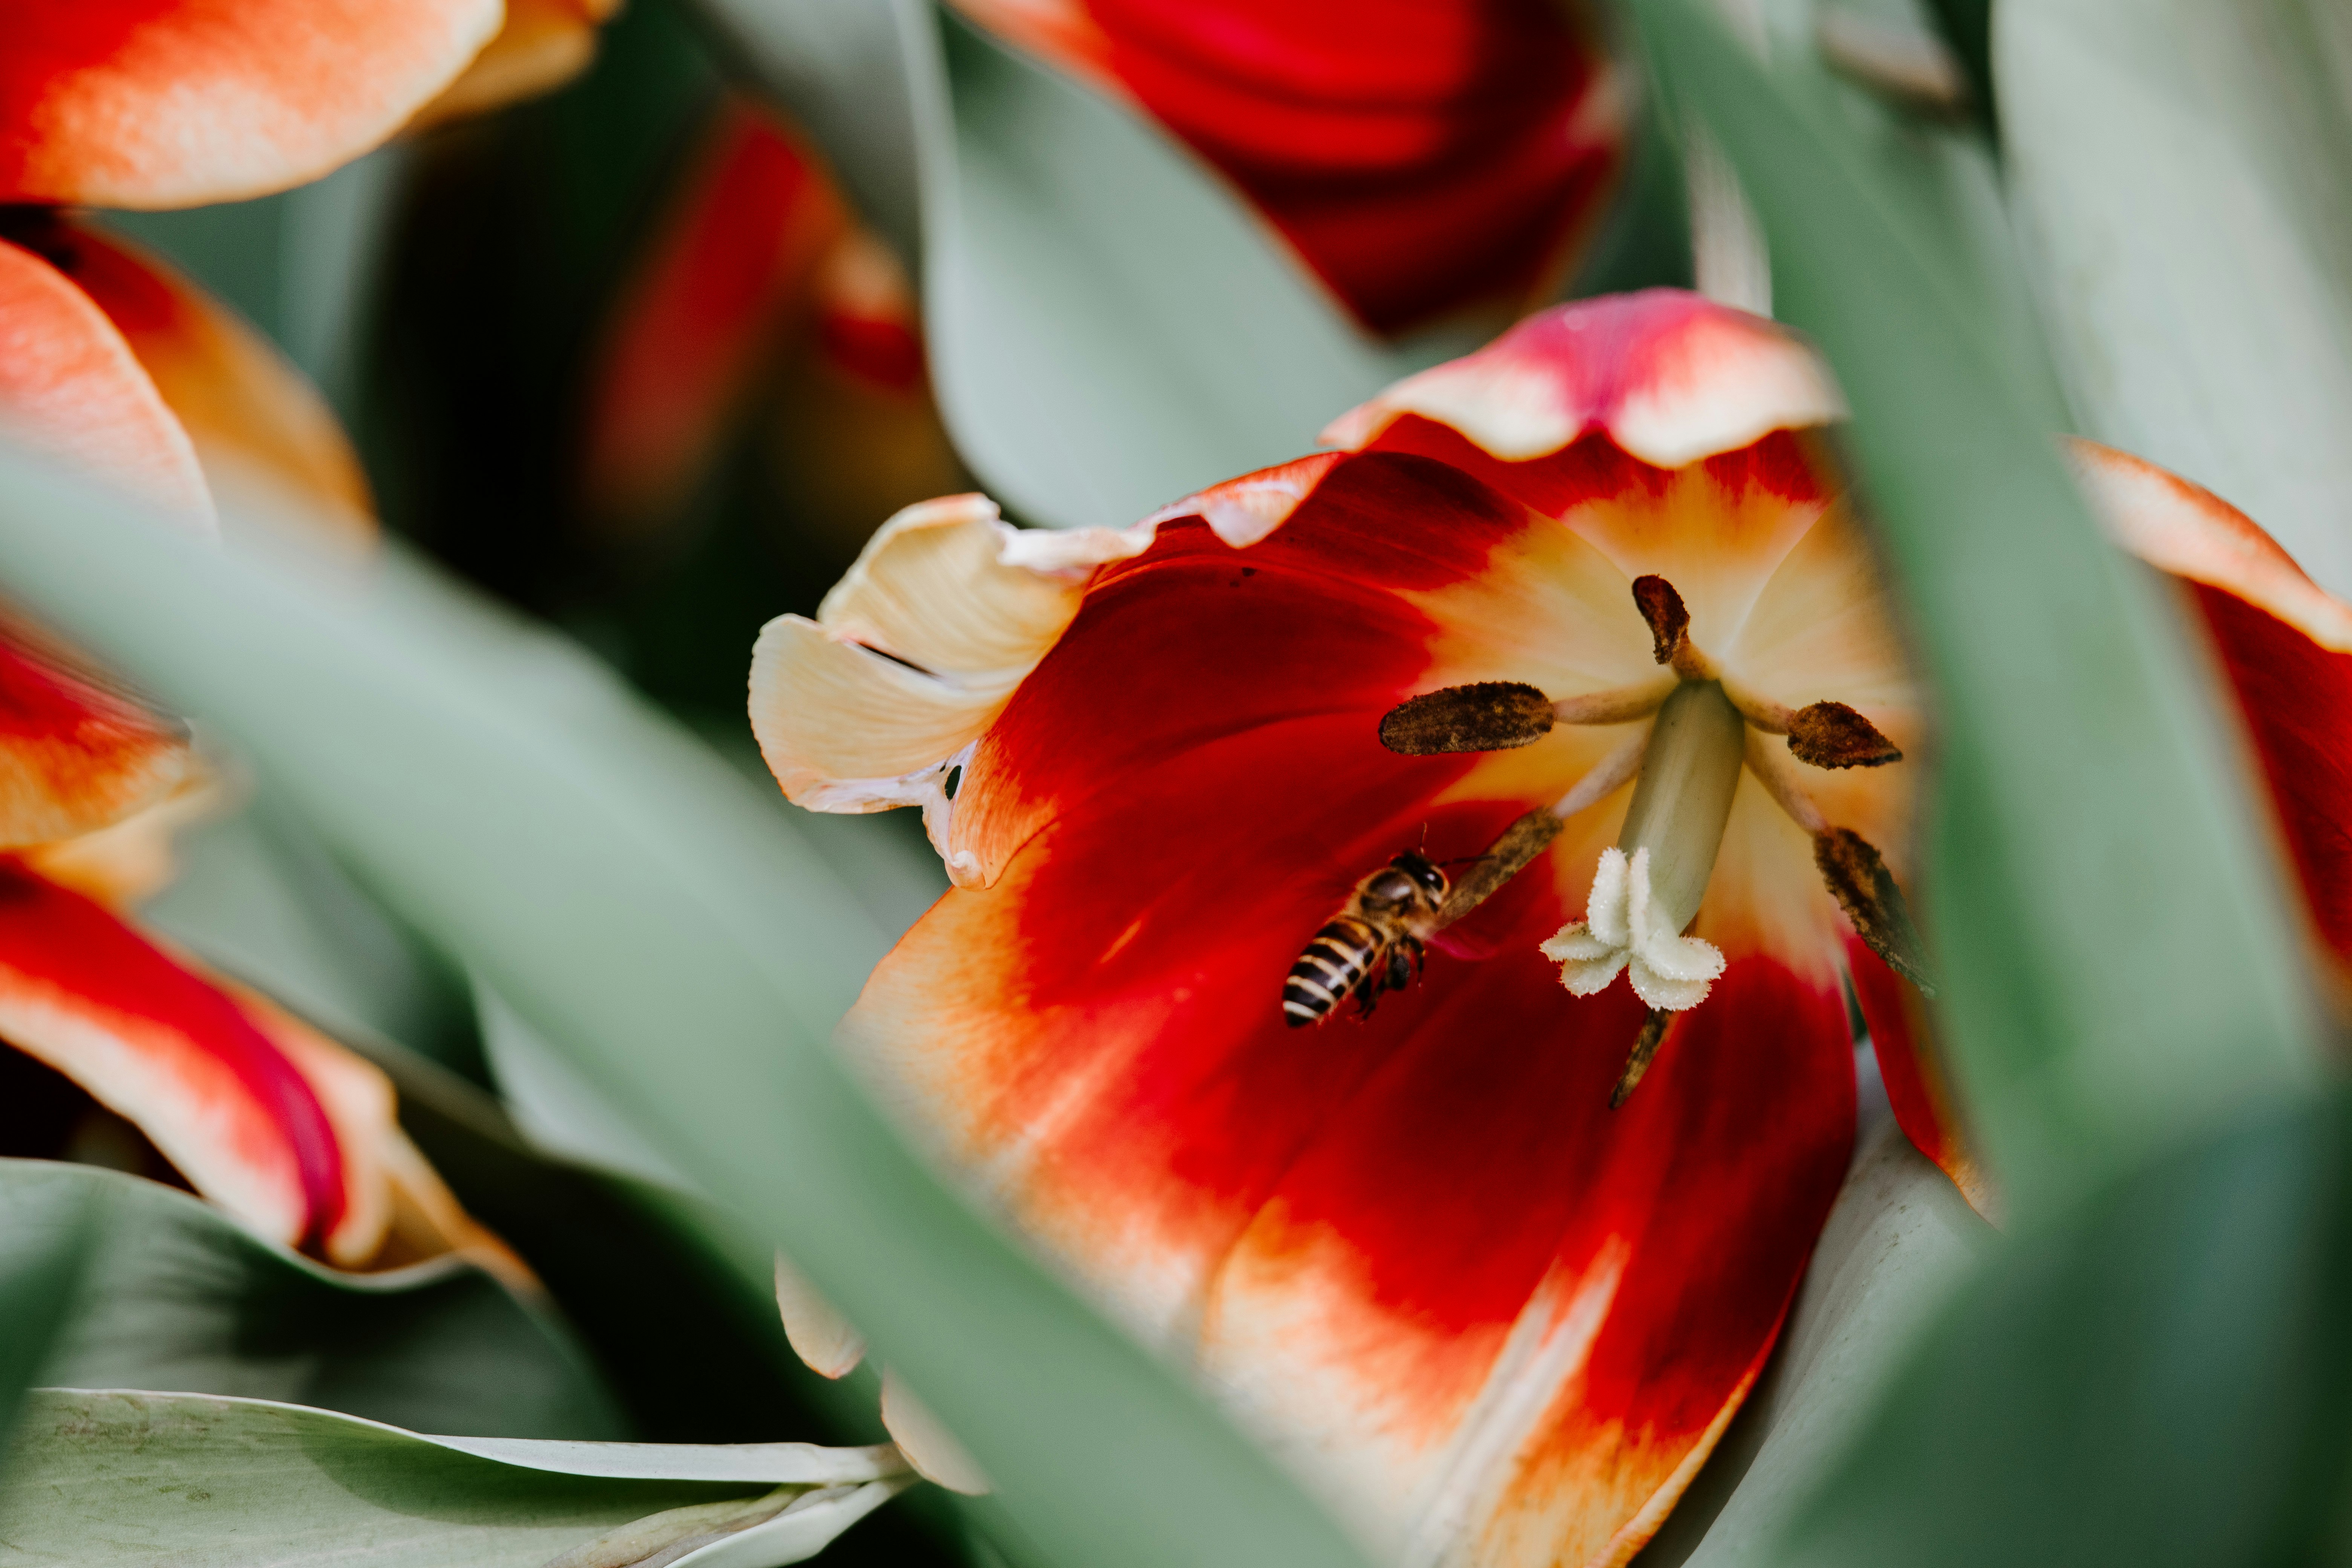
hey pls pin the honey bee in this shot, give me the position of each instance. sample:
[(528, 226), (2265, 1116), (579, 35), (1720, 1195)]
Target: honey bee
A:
[(1373, 945)]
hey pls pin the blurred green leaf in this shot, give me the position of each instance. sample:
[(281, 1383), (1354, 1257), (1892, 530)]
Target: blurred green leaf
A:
[(630, 897), (110, 1477), (42, 1267), (1968, 27), (1898, 1240), (177, 1297), (2112, 935), (2161, 1378), (2178, 171)]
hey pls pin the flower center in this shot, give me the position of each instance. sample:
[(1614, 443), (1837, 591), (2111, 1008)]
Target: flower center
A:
[(1686, 766)]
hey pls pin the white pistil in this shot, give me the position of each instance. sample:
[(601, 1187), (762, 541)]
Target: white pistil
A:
[(1622, 929), (1649, 886)]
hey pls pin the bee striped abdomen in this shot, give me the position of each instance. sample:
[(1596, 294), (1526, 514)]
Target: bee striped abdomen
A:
[(1334, 964)]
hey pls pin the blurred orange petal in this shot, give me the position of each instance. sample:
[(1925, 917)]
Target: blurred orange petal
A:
[(71, 387), (543, 44), (266, 439), (162, 103)]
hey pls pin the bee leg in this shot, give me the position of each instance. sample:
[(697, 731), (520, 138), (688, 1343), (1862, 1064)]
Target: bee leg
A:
[(1367, 998), (1420, 958), (1400, 970)]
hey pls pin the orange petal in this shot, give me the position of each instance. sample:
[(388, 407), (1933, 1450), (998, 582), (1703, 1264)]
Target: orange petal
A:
[(75, 756), (729, 264), (161, 103), (267, 441), (70, 384), (542, 44), (1667, 376), (84, 993)]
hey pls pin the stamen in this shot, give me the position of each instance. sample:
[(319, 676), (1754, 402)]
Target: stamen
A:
[(1498, 715), (1487, 716), (1858, 879), (1606, 777), (1620, 705), (1825, 734), (1833, 735), (1770, 766), (1663, 609), (1646, 1046), (1527, 837)]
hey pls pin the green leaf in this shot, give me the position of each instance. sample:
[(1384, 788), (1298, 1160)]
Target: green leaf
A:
[(2179, 172), (632, 898), (1898, 1240), (1110, 327), (42, 1269), (105, 1478), (2118, 963), (2162, 1379), (177, 1297)]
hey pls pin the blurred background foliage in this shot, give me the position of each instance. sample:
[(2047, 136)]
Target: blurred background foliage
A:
[(453, 294)]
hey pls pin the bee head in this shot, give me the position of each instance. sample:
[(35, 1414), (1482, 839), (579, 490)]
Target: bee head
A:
[(1423, 871)]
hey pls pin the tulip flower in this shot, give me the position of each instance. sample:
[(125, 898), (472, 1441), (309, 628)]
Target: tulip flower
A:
[(1422, 159), (111, 362), (758, 290), (1588, 622)]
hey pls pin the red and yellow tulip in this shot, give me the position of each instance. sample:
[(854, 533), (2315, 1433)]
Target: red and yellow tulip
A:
[(1589, 613)]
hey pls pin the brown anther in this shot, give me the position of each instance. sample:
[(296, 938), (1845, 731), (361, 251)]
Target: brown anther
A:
[(1521, 842), (1645, 1046), (1662, 609), (1833, 735), (1858, 879), (1489, 716)]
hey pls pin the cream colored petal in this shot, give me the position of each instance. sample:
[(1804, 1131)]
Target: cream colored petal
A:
[(820, 1335), (828, 712), (932, 588), (931, 1448)]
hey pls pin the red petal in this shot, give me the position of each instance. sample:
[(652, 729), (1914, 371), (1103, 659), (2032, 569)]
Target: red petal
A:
[(732, 259), (84, 993), (1422, 158), (541, 45), (2296, 699), (155, 104), (1901, 1036), (266, 439), (1420, 1252), (70, 384), (1669, 377)]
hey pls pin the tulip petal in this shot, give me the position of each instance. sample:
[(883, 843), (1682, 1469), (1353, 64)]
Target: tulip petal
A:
[(730, 260), (911, 655), (157, 103), (2192, 532), (71, 385), (85, 994), (269, 444), (1420, 159), (1903, 1042), (816, 1329), (928, 1446), (541, 45), (2285, 647), (1669, 377), (1474, 1306), (75, 756)]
